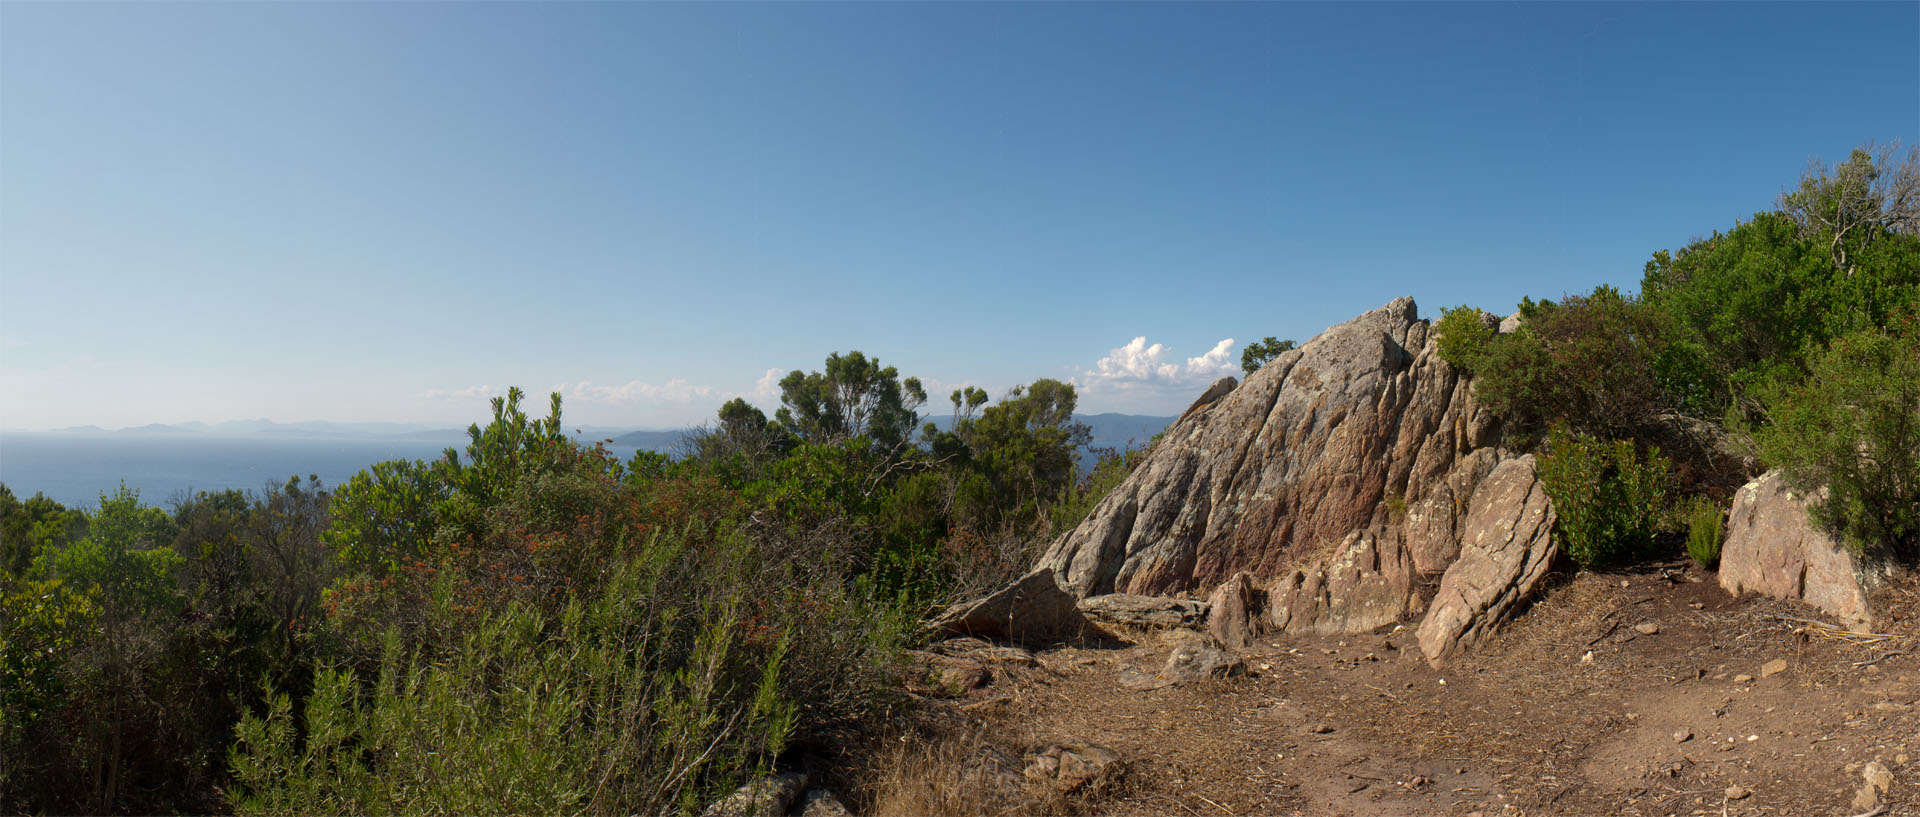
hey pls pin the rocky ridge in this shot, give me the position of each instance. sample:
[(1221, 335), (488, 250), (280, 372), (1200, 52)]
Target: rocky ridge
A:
[(1338, 478)]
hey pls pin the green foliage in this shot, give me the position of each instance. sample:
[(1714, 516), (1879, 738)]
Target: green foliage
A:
[(854, 397), (38, 524), (1608, 499), (1852, 426), (1463, 335), (1705, 531), (1588, 361), (1259, 354)]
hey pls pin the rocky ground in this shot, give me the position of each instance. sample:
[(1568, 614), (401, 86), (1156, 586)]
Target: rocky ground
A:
[(1651, 692)]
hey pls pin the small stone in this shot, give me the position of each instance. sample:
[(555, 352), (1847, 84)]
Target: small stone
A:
[(1774, 667), (1321, 728), (1624, 584), (1726, 747), (1901, 758), (1889, 706), (1738, 792), (1647, 628), (1743, 678), (1877, 775), (1588, 658), (1682, 735), (1752, 738), (1867, 798), (1696, 605)]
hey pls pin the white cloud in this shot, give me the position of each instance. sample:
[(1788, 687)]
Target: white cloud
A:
[(636, 392), (768, 386), (1139, 376), (485, 392)]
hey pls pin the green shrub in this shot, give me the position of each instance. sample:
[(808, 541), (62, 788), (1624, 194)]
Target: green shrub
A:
[(1608, 499), (1705, 529), (1463, 336), (1852, 426)]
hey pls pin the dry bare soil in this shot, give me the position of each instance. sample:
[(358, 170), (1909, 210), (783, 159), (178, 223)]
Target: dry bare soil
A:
[(1641, 693)]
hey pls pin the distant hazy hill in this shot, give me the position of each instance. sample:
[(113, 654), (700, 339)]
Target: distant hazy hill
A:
[(1116, 431)]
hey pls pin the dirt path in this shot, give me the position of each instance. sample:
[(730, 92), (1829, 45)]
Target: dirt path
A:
[(1652, 723)]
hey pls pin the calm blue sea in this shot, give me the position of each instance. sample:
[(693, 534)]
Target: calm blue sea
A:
[(75, 469)]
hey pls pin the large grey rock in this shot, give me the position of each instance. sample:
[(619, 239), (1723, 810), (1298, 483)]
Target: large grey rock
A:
[(1334, 476), (1236, 611), (1773, 550), (1033, 609), (1130, 612), (1506, 551)]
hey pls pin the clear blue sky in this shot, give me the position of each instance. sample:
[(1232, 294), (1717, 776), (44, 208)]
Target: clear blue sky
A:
[(366, 211)]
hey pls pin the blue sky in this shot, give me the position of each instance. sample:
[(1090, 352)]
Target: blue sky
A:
[(367, 211)]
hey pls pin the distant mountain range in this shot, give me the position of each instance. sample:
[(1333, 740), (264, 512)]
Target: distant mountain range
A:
[(1116, 431)]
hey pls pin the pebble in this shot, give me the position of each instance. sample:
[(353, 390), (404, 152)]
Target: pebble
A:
[(1682, 736), (1647, 628), (1737, 792), (1901, 758), (1743, 678), (1774, 667), (1321, 728)]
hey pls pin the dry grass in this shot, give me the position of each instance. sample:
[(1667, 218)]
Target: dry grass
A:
[(951, 771)]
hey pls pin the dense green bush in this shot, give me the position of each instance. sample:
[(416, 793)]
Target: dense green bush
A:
[(1609, 500), (1852, 426), (1463, 335)]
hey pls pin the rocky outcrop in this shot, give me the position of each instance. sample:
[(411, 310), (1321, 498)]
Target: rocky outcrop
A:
[(1773, 550), (1123, 612), (1505, 553), (1034, 609), (1336, 477)]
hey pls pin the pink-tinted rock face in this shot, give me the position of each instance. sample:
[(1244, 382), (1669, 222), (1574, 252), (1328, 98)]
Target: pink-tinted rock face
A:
[(1773, 550), (1506, 550), (1335, 476)]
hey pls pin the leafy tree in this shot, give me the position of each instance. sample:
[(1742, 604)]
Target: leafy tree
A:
[(1852, 426), (1258, 354), (27, 528), (854, 397), (1025, 449), (1873, 195)]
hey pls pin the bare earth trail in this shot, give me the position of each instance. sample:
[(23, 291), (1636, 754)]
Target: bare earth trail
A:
[(1677, 711)]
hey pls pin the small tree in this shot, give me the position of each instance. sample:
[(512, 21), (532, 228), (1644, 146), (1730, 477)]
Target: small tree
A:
[(1876, 192), (1258, 354), (855, 396)]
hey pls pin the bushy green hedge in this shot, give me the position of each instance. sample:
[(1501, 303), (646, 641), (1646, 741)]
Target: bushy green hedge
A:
[(1609, 500)]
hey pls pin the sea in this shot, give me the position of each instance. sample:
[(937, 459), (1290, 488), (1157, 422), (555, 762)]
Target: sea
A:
[(76, 469)]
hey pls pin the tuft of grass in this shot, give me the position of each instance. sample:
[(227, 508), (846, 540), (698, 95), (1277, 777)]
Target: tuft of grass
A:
[(1705, 531)]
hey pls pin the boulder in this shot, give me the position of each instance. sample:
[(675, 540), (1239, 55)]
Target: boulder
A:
[(1506, 551), (1236, 610), (1127, 611), (945, 676), (1336, 477), (1194, 657), (767, 797), (1772, 549), (1033, 609), (1075, 767), (821, 803)]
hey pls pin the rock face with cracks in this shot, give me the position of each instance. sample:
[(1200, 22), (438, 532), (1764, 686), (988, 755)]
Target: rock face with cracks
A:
[(1506, 552), (1773, 550), (1338, 478)]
